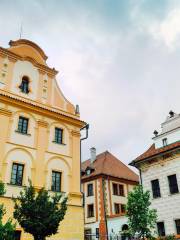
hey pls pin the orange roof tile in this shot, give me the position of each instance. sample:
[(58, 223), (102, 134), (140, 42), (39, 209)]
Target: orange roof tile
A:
[(152, 151), (109, 165)]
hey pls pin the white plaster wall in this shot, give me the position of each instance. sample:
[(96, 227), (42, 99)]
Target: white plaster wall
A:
[(25, 68), (93, 227), (171, 138), (116, 224), (168, 206)]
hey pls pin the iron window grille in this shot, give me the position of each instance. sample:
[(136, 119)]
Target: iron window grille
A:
[(173, 185), (17, 174), (23, 125), (56, 181), (155, 188)]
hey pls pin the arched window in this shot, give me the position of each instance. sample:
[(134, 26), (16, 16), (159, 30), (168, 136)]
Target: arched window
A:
[(24, 85)]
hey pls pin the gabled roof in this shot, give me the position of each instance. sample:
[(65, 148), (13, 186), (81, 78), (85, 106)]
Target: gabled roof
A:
[(152, 151), (107, 164)]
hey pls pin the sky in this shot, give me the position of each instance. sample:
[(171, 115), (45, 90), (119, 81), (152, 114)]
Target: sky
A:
[(118, 59)]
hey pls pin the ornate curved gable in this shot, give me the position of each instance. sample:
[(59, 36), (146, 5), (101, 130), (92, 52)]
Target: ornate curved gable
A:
[(26, 48)]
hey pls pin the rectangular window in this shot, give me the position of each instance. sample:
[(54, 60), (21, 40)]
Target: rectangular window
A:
[(164, 142), (17, 174), (17, 235), (87, 234), (123, 208), (56, 181), (177, 222), (117, 208), (118, 189), (97, 232), (90, 212), (173, 186), (115, 189), (121, 190), (58, 135), (155, 188), (90, 190), (161, 229), (23, 125)]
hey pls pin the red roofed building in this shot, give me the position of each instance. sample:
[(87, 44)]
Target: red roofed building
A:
[(159, 168), (106, 182)]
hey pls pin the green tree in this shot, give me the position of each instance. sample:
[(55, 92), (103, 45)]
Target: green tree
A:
[(141, 219), (7, 229), (38, 213)]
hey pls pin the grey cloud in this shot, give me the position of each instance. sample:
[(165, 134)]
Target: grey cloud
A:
[(124, 81)]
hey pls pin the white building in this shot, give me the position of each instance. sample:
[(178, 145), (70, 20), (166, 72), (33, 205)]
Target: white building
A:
[(106, 182), (160, 174)]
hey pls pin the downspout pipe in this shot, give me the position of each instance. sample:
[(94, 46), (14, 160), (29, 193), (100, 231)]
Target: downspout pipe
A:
[(86, 127)]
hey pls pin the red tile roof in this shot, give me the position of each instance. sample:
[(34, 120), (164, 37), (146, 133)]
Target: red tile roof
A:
[(152, 151), (109, 165)]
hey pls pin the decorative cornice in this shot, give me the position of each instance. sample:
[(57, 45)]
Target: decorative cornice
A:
[(42, 123), (5, 112), (40, 108), (75, 194), (75, 133), (108, 177)]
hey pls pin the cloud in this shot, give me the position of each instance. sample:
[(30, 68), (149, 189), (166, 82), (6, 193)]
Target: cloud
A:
[(110, 61), (168, 30)]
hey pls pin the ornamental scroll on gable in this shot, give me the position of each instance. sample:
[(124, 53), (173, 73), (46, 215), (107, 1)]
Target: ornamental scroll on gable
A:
[(27, 75)]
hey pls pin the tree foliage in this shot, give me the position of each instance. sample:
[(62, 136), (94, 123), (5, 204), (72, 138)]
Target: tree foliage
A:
[(38, 213), (141, 219), (7, 229)]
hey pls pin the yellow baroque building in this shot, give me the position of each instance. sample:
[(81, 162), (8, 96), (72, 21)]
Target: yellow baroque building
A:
[(39, 134)]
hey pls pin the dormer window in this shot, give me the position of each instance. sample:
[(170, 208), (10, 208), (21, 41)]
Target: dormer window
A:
[(88, 171), (24, 85), (164, 141)]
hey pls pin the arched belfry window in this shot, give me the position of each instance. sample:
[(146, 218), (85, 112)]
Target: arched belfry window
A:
[(24, 85)]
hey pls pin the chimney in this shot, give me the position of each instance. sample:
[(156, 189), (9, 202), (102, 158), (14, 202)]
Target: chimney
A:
[(93, 154), (77, 112), (171, 113)]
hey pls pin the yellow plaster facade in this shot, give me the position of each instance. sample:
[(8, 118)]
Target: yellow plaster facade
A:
[(46, 108)]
